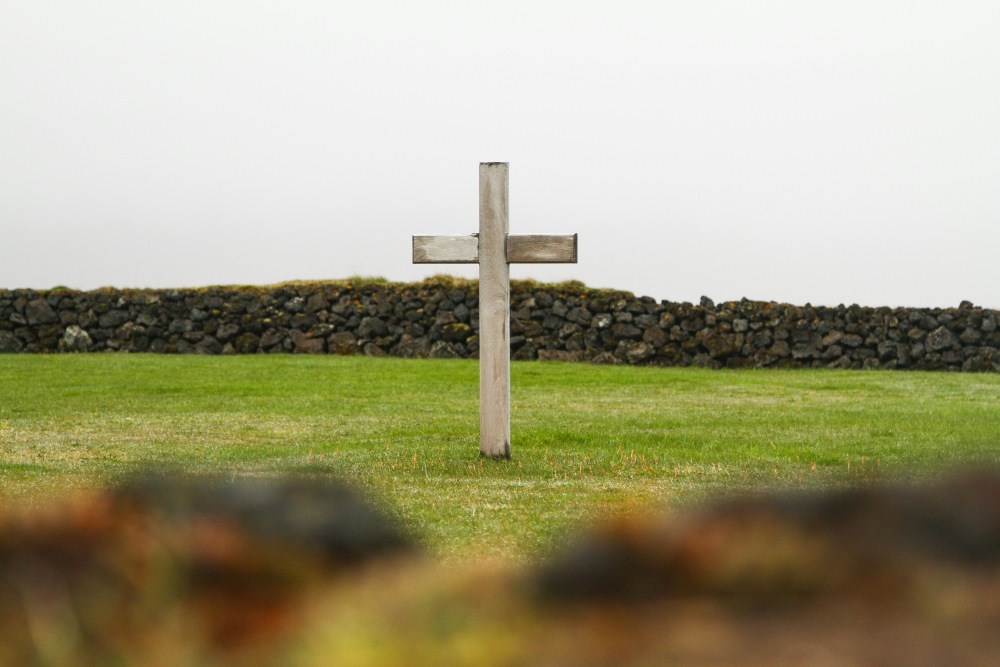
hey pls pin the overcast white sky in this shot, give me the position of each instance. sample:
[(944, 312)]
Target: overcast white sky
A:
[(823, 152)]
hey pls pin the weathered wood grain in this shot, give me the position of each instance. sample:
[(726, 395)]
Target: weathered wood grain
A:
[(494, 312), (446, 249), (494, 249), (541, 248)]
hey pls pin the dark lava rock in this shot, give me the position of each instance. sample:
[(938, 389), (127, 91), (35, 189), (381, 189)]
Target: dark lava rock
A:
[(343, 342), (372, 327), (940, 339), (579, 315), (9, 343), (40, 312), (113, 318)]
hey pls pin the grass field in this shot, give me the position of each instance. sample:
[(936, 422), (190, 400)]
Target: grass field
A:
[(587, 440)]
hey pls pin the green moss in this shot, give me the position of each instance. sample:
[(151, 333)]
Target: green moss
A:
[(443, 280)]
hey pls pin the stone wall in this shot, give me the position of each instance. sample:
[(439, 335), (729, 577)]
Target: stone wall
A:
[(439, 318)]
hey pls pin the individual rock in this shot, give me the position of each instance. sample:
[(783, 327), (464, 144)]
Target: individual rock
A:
[(9, 343), (343, 342), (294, 305), (75, 339), (208, 345), (843, 362), (410, 346), (227, 331), (635, 352), (527, 352), (374, 350), (568, 330), (113, 319), (762, 339), (443, 350), (316, 302), (456, 332), (970, 336), (886, 350), (645, 321), (940, 339), (306, 345), (626, 331), (180, 326), (851, 340), (579, 315), (832, 338), (655, 336), (602, 321), (764, 357), (719, 345), (558, 355), (39, 312), (552, 323), (780, 349), (272, 339), (448, 317), (928, 323), (372, 327), (605, 358), (804, 351), (247, 343), (702, 360)]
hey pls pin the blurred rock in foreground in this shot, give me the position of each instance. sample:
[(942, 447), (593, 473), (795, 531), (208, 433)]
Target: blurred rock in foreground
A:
[(893, 576), (177, 570), (300, 571)]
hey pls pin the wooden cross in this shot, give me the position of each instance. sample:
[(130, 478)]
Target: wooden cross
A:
[(494, 250)]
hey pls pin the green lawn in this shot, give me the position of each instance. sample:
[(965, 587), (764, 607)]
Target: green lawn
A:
[(587, 440)]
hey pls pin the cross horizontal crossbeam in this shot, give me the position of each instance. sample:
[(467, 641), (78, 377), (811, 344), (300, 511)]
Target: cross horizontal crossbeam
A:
[(520, 249)]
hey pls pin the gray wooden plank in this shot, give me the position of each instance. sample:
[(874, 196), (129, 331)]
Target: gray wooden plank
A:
[(494, 312), (446, 249), (541, 248)]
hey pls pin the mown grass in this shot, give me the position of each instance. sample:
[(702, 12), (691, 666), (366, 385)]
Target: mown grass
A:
[(587, 440)]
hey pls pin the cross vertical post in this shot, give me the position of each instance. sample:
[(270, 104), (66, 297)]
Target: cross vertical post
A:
[(494, 250), (494, 312)]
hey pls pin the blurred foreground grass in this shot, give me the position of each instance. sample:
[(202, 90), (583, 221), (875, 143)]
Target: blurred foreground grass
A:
[(588, 441)]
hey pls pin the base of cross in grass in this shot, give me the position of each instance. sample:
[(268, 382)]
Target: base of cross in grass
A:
[(494, 250)]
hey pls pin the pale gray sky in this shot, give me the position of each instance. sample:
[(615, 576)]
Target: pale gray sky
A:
[(824, 152)]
